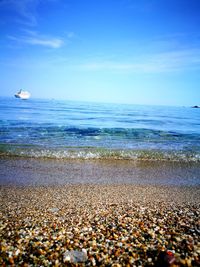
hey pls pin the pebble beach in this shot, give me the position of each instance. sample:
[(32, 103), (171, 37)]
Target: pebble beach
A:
[(99, 225)]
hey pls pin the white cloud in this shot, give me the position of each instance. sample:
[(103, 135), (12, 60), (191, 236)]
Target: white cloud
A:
[(34, 38), (53, 42)]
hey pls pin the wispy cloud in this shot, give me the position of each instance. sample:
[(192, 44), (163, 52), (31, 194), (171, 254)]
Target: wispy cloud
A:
[(70, 35), (33, 38), (154, 63), (48, 42), (24, 9)]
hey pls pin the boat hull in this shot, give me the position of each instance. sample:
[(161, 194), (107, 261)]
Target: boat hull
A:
[(24, 95)]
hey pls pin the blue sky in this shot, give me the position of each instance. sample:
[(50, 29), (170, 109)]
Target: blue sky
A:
[(122, 51)]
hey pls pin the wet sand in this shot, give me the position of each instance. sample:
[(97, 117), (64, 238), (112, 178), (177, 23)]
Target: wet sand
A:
[(31, 171), (49, 207)]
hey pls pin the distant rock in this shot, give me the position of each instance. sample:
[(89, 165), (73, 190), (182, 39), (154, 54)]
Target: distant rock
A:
[(196, 107)]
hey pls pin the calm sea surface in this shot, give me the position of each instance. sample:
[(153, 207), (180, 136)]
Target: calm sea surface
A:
[(65, 129)]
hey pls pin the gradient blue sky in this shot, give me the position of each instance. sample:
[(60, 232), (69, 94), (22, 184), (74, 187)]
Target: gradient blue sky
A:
[(123, 51)]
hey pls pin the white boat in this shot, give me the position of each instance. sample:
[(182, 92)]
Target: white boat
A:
[(23, 94)]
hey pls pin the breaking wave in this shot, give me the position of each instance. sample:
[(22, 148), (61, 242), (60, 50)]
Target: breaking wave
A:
[(100, 153)]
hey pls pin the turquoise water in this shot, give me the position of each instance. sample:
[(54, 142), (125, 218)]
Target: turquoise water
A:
[(66, 129)]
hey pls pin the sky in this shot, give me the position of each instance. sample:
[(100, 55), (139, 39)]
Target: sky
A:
[(118, 51)]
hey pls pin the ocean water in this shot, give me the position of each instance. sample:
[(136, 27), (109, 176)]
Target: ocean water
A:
[(64, 129)]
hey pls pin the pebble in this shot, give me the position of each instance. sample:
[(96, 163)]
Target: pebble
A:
[(92, 232), (75, 256), (54, 210)]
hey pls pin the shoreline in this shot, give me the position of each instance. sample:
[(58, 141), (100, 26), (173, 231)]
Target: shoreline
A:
[(48, 172)]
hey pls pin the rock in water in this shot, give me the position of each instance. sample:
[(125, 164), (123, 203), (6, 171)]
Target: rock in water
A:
[(196, 107)]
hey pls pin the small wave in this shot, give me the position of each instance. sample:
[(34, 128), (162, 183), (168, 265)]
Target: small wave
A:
[(95, 153)]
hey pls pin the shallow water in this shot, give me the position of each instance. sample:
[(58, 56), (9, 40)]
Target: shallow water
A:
[(80, 130)]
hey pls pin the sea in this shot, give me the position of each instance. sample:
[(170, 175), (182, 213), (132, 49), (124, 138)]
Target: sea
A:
[(49, 128)]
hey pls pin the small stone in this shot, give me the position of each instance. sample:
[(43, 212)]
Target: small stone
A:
[(189, 262), (75, 256), (178, 239), (17, 252), (182, 261), (149, 259), (93, 262), (94, 243), (53, 210)]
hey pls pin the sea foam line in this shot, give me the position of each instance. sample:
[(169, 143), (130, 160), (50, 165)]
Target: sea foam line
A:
[(89, 153)]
